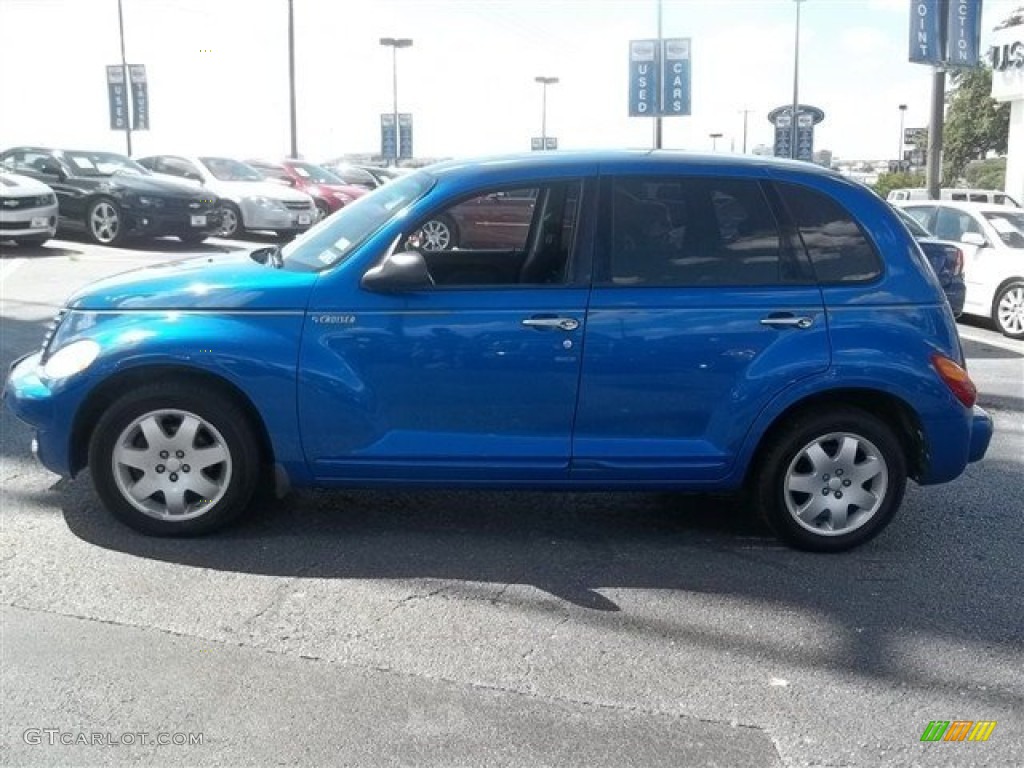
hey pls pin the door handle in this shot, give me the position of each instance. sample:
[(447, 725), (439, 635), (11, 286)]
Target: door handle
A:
[(788, 321), (555, 323)]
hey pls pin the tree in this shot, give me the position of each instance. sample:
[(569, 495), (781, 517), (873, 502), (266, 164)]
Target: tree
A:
[(976, 124), (987, 174), (890, 181)]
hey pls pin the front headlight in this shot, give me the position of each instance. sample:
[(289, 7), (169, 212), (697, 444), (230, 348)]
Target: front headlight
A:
[(264, 202), (72, 359), (148, 202)]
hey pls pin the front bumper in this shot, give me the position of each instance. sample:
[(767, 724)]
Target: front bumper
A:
[(31, 400), (278, 219), (155, 222), (26, 222)]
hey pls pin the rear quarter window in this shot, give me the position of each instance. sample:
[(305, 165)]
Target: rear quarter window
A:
[(838, 248)]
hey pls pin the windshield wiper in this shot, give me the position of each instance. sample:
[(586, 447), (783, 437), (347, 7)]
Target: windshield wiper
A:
[(270, 255)]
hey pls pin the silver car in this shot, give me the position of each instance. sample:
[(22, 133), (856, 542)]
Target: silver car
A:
[(28, 210)]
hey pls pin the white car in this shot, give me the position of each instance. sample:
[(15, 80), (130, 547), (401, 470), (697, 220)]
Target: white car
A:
[(994, 258), (28, 210), (248, 200)]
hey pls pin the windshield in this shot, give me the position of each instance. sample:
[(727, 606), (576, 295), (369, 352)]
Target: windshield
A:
[(913, 224), (102, 164), (316, 173), (1009, 225), (352, 175), (226, 169), (331, 241)]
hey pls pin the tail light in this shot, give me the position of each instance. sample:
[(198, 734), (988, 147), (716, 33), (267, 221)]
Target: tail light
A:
[(956, 378), (958, 268)]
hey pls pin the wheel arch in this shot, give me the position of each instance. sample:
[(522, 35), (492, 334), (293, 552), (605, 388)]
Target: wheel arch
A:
[(1002, 285), (890, 408), (96, 403)]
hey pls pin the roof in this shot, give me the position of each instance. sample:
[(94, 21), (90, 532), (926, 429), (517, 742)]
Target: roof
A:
[(959, 205), (620, 158)]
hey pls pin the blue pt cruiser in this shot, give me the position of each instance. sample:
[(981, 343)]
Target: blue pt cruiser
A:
[(615, 320)]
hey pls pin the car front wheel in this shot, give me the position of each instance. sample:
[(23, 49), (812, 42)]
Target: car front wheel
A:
[(230, 221), (1008, 310), (104, 222), (831, 481), (174, 459)]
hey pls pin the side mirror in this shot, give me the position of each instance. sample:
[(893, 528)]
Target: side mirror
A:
[(52, 168), (973, 238), (405, 271)]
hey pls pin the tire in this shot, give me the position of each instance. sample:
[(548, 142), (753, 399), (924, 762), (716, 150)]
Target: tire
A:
[(193, 239), (105, 223), (32, 240), (1008, 310), (784, 458), (439, 234), (124, 454), (231, 224), (322, 211)]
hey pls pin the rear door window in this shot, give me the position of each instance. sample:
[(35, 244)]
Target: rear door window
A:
[(684, 231), (838, 248)]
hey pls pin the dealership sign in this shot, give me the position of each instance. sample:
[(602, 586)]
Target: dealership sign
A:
[(945, 32), (1007, 59), (807, 118), (396, 144), (659, 77)]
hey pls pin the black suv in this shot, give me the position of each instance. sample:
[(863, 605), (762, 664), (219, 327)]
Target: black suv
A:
[(112, 198)]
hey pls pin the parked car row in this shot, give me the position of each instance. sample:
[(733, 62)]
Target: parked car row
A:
[(112, 198)]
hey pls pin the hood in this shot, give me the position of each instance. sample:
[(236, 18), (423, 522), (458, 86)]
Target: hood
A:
[(239, 189), (155, 185), (15, 185), (228, 282)]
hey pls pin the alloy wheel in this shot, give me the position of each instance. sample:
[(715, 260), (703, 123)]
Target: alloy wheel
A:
[(104, 222), (836, 483), (171, 465), (435, 236), (1010, 311)]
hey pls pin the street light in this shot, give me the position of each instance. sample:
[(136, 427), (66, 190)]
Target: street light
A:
[(545, 82), (745, 113), (796, 85), (899, 154), (714, 141), (395, 43), (291, 78)]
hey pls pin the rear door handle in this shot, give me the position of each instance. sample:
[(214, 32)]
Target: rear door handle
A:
[(555, 323), (788, 321)]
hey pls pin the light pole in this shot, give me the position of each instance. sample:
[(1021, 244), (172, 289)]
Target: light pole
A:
[(796, 85), (395, 43), (714, 141), (745, 113), (544, 82), (127, 82), (657, 120), (899, 154), (291, 77)]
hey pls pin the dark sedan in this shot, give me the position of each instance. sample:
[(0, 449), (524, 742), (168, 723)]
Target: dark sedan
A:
[(946, 259), (113, 198)]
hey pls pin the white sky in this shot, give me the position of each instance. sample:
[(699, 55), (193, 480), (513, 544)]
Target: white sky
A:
[(468, 79)]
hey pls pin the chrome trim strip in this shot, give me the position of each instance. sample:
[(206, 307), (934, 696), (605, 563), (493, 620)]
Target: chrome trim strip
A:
[(286, 312)]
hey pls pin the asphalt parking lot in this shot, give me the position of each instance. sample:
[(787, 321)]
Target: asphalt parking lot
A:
[(444, 628)]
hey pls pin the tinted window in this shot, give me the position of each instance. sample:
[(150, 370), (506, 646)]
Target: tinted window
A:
[(1009, 225), (687, 231), (912, 224), (922, 214), (838, 248)]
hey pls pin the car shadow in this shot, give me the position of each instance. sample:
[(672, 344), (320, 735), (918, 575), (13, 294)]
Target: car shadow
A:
[(9, 250), (583, 548)]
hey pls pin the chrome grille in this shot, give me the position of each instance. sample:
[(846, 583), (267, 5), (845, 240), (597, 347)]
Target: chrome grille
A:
[(297, 206), (51, 329), (19, 203)]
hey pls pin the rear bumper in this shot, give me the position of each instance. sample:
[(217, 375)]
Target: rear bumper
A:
[(981, 434)]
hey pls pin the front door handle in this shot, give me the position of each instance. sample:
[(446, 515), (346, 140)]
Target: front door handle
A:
[(557, 323), (788, 321)]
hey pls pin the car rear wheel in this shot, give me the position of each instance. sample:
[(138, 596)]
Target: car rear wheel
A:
[(230, 220), (104, 222), (831, 481), (174, 459), (1008, 310), (438, 235)]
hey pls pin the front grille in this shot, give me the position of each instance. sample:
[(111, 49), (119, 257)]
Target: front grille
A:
[(194, 205), (50, 330), (15, 224), (19, 203), (298, 206)]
